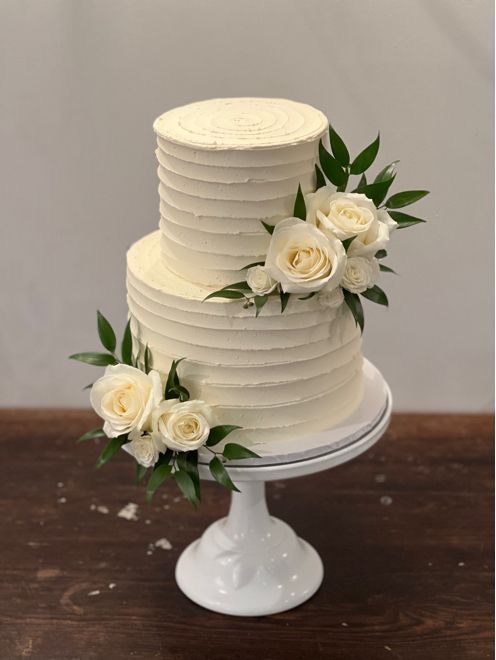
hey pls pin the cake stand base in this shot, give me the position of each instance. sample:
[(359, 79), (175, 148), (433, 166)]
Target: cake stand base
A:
[(249, 564), (252, 564)]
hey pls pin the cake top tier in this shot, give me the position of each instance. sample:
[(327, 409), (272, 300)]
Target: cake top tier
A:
[(241, 123)]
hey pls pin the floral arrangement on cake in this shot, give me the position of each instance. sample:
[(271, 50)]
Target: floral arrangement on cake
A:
[(334, 243), (154, 419)]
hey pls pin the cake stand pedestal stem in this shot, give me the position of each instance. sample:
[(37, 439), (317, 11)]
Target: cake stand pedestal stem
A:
[(248, 519)]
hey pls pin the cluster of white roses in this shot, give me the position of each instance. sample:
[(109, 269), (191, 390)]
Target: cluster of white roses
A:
[(131, 403), (309, 257)]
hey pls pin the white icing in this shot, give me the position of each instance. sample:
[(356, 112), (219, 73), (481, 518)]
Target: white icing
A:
[(241, 123), (272, 372)]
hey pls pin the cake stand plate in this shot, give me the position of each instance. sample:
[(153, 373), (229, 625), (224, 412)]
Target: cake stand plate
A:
[(252, 564)]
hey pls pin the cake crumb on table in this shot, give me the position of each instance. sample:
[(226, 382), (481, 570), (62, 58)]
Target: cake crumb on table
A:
[(163, 543), (129, 512)]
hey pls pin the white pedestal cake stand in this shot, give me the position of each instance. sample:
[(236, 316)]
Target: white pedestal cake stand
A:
[(251, 564)]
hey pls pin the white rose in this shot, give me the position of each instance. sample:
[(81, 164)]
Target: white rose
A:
[(124, 397), (331, 299), (259, 280), (304, 259), (360, 274), (144, 448), (377, 237), (182, 426), (343, 214), (383, 216)]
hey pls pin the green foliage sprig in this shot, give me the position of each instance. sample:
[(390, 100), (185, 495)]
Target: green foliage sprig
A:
[(336, 167)]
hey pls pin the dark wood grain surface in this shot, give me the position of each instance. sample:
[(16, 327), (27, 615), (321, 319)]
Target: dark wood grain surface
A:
[(405, 533)]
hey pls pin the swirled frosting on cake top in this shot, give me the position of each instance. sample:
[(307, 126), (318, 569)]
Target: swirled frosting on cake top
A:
[(241, 123)]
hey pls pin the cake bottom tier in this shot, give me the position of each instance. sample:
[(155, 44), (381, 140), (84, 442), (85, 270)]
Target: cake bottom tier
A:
[(276, 376)]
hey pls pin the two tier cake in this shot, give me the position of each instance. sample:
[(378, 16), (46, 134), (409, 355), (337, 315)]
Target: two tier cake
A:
[(224, 167)]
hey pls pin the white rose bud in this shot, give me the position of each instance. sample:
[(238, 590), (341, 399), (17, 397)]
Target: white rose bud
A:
[(331, 299), (259, 281), (342, 214), (360, 274), (144, 448), (124, 397), (182, 426), (304, 259)]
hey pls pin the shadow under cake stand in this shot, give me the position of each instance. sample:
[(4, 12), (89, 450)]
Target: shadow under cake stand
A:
[(252, 564)]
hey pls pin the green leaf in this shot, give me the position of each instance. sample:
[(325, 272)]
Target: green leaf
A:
[(238, 286), (219, 473), (355, 305), (172, 379), (127, 345), (165, 458), (404, 220), (106, 332), (377, 191), (339, 149), (260, 301), (386, 269), (112, 448), (96, 359), (398, 200), (300, 209), (361, 183), (178, 392), (225, 293), (269, 228), (88, 387), (387, 172), (186, 485), (366, 157), (380, 254), (256, 263), (233, 451), (377, 295), (342, 187), (310, 295), (157, 478), (218, 433), (148, 361), (320, 181), (90, 435), (284, 300), (330, 166), (140, 473), (347, 242), (188, 461)]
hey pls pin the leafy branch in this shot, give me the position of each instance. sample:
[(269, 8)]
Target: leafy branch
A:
[(337, 166), (108, 340)]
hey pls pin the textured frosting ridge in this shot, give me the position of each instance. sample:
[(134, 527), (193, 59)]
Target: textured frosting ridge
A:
[(274, 375), (223, 166)]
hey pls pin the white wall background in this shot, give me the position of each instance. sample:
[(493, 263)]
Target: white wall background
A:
[(82, 81)]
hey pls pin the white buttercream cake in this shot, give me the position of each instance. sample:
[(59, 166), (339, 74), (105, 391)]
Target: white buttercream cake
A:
[(225, 165)]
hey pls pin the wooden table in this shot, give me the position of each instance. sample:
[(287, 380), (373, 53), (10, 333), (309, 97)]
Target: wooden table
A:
[(405, 532)]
